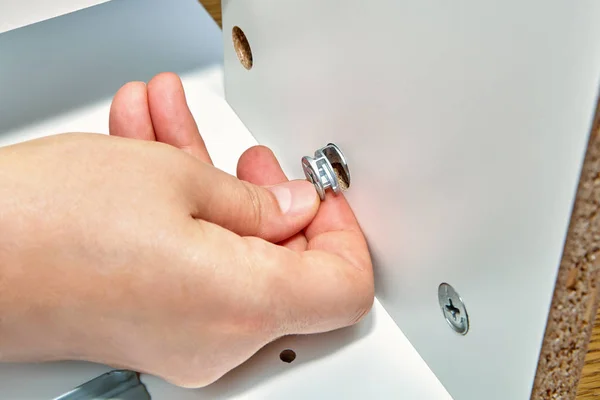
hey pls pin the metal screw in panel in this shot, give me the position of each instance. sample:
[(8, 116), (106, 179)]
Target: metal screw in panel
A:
[(326, 169), (453, 308)]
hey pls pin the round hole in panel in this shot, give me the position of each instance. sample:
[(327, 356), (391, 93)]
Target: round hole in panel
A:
[(287, 356), (242, 47)]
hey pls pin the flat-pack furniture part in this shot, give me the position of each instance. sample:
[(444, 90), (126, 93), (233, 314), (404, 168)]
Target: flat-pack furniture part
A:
[(57, 81), (18, 13), (465, 127)]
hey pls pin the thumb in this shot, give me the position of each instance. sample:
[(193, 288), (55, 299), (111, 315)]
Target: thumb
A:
[(273, 213)]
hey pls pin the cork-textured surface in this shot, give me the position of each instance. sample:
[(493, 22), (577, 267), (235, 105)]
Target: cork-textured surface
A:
[(561, 372)]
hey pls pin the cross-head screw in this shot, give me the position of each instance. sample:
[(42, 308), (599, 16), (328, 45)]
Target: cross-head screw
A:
[(453, 308)]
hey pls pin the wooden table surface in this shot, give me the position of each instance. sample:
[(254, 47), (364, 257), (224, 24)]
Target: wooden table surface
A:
[(589, 385)]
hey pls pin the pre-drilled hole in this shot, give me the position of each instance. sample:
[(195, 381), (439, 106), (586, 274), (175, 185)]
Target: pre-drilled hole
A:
[(287, 356), (242, 47)]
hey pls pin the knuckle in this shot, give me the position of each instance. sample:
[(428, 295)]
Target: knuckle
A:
[(364, 305), (194, 372), (188, 383), (252, 200), (197, 381), (361, 313)]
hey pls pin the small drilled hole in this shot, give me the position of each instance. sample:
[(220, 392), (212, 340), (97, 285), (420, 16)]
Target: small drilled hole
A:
[(287, 356), (242, 47)]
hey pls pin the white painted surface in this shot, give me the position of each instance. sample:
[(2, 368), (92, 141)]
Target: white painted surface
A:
[(465, 125), (373, 360), (17, 13), (60, 76)]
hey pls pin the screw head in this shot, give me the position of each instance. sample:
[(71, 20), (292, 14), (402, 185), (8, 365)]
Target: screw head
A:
[(453, 308)]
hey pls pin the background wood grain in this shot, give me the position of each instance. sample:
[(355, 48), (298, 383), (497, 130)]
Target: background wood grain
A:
[(214, 8), (589, 384)]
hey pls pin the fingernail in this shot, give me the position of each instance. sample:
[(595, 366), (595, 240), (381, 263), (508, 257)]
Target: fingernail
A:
[(295, 197)]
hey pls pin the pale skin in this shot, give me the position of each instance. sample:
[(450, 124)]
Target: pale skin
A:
[(134, 251)]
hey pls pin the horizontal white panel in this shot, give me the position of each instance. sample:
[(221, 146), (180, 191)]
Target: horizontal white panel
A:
[(85, 61), (372, 360), (17, 13)]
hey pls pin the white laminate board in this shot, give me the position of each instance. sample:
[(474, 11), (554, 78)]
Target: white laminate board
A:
[(464, 124), (59, 76), (17, 13), (372, 360)]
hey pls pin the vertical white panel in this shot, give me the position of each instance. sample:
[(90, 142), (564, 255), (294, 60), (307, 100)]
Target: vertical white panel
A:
[(465, 124)]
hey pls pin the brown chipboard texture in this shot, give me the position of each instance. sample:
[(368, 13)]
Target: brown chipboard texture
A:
[(575, 298)]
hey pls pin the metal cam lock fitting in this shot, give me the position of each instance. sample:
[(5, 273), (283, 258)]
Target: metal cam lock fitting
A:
[(327, 170)]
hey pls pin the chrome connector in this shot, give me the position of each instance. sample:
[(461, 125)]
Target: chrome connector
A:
[(327, 170)]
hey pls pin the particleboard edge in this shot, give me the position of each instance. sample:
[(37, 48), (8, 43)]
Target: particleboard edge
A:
[(575, 300)]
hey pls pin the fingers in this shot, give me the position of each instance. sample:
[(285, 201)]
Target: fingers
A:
[(129, 113), (312, 291), (334, 228), (171, 117), (259, 166), (273, 213), (329, 287), (337, 269), (159, 112), (336, 241)]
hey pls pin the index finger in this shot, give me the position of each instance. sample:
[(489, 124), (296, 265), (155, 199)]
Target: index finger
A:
[(335, 229), (171, 117), (329, 286)]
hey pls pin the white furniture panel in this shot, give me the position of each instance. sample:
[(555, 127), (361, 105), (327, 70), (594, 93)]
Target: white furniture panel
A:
[(17, 13), (465, 125)]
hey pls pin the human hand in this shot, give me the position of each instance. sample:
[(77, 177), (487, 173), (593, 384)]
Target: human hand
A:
[(137, 254)]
